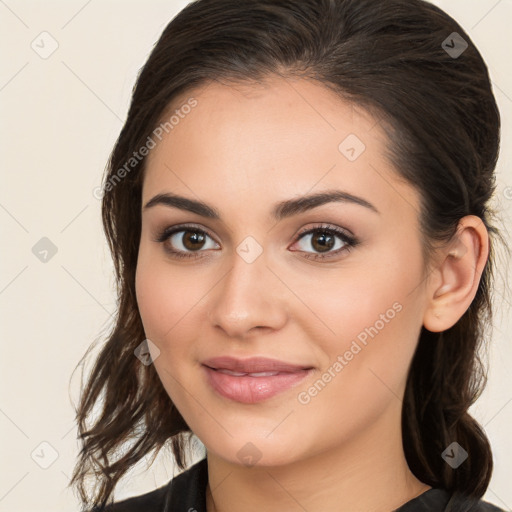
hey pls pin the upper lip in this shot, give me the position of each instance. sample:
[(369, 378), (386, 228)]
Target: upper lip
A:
[(253, 365)]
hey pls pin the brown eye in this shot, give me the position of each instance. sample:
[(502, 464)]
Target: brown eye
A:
[(185, 242), (192, 240), (323, 240)]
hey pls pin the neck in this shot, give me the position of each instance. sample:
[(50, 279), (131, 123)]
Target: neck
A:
[(369, 473)]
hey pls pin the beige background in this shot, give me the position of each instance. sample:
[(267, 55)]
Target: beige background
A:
[(60, 117)]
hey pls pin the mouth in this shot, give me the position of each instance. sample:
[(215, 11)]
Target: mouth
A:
[(252, 380)]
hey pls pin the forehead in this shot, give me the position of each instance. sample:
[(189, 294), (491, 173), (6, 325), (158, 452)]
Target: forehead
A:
[(246, 145)]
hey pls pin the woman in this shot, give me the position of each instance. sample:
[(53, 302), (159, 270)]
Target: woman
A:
[(298, 211)]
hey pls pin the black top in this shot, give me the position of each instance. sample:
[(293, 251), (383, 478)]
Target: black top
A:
[(187, 492)]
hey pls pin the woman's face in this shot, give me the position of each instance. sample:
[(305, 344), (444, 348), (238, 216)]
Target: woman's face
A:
[(343, 321)]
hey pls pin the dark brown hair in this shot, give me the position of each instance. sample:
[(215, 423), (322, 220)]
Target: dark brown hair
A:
[(388, 57)]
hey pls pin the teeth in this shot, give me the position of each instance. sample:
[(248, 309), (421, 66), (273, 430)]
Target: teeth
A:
[(240, 374), (229, 372)]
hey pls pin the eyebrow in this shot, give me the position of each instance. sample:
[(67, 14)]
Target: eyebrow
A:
[(280, 211)]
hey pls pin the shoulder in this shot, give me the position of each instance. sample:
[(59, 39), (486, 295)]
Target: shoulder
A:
[(489, 507), (151, 502), (484, 506), (442, 500), (185, 490), (465, 504)]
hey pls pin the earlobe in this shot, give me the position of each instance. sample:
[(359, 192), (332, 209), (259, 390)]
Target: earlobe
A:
[(454, 284)]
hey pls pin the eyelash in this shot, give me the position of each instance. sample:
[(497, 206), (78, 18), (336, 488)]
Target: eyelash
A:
[(349, 241)]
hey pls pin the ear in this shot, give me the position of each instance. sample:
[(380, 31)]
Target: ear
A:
[(454, 282)]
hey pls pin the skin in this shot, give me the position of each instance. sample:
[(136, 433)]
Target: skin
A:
[(242, 149)]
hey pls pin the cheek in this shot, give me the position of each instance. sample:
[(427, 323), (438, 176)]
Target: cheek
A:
[(371, 316), (364, 366), (348, 302), (163, 296)]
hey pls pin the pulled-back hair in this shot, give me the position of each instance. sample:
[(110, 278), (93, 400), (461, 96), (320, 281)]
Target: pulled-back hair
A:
[(385, 56)]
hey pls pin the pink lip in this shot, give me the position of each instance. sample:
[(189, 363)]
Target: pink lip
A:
[(251, 389), (253, 364)]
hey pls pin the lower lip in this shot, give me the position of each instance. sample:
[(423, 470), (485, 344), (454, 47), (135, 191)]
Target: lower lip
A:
[(251, 390)]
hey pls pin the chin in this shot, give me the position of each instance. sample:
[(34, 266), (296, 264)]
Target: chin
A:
[(256, 449)]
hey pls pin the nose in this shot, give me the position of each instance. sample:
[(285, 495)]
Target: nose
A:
[(248, 300)]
